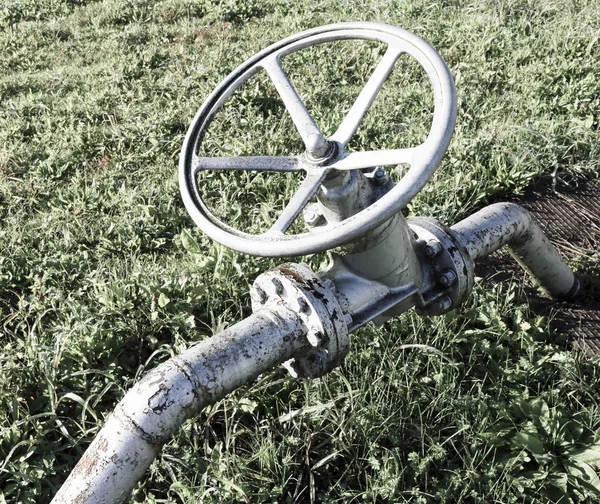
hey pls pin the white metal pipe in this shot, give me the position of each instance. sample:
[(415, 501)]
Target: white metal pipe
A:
[(174, 391), (510, 224)]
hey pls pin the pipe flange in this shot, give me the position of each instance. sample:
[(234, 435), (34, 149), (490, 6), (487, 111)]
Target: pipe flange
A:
[(300, 290), (450, 266)]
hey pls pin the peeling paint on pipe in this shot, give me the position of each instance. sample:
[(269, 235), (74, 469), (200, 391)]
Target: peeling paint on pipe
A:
[(171, 393), (510, 224)]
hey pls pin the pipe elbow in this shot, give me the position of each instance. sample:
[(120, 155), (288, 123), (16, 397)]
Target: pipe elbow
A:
[(510, 224)]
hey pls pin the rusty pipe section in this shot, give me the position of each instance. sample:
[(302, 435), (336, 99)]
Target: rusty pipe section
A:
[(173, 392), (510, 224)]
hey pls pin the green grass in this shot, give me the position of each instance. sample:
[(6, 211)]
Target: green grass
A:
[(96, 284)]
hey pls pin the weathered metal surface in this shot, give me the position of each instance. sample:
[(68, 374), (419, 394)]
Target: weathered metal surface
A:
[(296, 286), (260, 163), (174, 391), (381, 275), (510, 224), (570, 217), (323, 154)]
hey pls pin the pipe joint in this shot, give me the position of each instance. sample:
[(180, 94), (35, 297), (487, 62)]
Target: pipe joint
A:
[(296, 287), (447, 267)]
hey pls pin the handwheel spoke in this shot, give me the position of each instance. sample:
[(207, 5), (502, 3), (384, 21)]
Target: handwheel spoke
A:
[(311, 135), (366, 97), (305, 192), (259, 163), (369, 159)]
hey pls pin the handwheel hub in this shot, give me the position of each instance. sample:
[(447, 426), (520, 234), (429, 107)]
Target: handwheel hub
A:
[(330, 153)]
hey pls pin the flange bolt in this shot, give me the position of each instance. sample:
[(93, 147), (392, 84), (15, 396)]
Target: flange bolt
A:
[(303, 305), (312, 218), (443, 304), (315, 338), (258, 295), (381, 176), (447, 277), (278, 286), (433, 248)]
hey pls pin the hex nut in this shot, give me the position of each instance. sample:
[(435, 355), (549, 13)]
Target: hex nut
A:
[(312, 218), (258, 295), (443, 304), (432, 248), (380, 176), (315, 338), (278, 286), (303, 305), (447, 277)]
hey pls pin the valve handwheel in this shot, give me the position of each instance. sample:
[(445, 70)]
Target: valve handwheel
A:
[(322, 155)]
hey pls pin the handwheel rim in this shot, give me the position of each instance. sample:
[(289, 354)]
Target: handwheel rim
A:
[(352, 228)]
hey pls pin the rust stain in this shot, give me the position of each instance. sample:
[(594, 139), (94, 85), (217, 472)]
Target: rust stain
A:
[(87, 463), (289, 271)]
